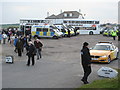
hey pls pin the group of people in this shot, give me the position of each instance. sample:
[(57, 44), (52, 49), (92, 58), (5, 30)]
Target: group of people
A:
[(32, 47), (8, 35), (21, 42)]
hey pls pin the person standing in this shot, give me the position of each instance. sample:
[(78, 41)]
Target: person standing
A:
[(4, 38), (38, 46), (19, 46), (118, 34), (75, 31), (0, 38), (9, 36), (12, 39), (86, 62), (114, 34), (31, 51), (23, 42), (15, 41), (68, 33)]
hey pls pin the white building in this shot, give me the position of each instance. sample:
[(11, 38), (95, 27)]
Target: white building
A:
[(58, 19)]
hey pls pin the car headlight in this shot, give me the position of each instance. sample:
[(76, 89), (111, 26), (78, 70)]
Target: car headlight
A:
[(104, 56)]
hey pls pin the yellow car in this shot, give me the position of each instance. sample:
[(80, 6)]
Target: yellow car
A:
[(104, 52)]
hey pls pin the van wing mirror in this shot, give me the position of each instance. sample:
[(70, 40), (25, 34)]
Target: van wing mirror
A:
[(91, 48)]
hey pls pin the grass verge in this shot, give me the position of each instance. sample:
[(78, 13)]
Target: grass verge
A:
[(104, 83)]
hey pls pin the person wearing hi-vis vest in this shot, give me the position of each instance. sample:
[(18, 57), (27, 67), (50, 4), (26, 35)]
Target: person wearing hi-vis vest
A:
[(114, 34)]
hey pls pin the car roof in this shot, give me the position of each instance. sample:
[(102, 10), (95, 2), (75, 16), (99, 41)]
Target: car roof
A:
[(105, 43)]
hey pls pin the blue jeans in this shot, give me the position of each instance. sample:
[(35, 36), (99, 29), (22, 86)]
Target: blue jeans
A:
[(38, 53)]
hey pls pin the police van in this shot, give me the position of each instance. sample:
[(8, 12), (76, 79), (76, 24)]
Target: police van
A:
[(64, 29), (46, 31)]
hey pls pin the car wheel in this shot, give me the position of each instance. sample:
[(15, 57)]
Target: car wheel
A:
[(109, 60), (65, 35), (55, 37), (90, 33)]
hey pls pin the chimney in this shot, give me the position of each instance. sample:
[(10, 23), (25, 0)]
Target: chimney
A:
[(47, 14), (79, 10), (61, 11)]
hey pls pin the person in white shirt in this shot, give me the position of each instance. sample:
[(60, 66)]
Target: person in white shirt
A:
[(12, 39), (4, 38)]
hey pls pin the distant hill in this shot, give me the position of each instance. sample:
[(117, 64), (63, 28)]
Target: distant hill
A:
[(9, 25)]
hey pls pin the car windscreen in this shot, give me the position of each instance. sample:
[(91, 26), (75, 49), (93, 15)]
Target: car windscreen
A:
[(53, 27), (101, 47)]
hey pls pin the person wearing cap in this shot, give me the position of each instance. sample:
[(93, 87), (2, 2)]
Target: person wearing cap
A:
[(86, 62), (38, 46), (31, 52)]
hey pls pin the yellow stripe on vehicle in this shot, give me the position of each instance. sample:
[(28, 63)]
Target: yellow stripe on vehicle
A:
[(33, 33), (41, 33), (48, 33)]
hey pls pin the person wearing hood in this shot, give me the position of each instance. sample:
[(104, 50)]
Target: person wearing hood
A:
[(31, 52), (86, 62)]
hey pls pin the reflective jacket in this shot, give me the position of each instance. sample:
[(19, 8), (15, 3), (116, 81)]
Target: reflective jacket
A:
[(114, 33)]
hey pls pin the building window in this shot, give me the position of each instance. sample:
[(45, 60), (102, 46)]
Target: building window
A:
[(70, 15), (65, 14)]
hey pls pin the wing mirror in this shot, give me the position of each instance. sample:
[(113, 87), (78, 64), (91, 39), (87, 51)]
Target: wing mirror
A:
[(111, 50), (91, 48)]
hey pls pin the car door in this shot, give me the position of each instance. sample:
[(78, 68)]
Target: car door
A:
[(112, 54), (115, 51)]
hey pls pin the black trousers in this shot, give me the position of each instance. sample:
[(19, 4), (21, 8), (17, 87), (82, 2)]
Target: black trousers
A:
[(114, 37), (118, 38), (19, 52), (87, 71), (29, 58)]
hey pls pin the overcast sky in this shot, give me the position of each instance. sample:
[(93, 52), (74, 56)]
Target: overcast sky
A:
[(13, 10)]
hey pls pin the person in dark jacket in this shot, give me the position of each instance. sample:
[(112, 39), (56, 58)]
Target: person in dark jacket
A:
[(19, 46), (86, 62), (38, 46), (68, 33), (31, 51), (118, 33), (15, 42)]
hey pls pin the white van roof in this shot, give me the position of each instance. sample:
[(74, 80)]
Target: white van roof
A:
[(42, 26)]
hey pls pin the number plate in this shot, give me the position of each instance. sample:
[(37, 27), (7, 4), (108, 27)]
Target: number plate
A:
[(94, 58)]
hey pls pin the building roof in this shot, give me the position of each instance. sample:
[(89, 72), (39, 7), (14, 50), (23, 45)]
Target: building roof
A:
[(69, 14), (51, 17)]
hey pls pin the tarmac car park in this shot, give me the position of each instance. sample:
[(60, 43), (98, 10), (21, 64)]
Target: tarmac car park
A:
[(104, 52), (59, 67)]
